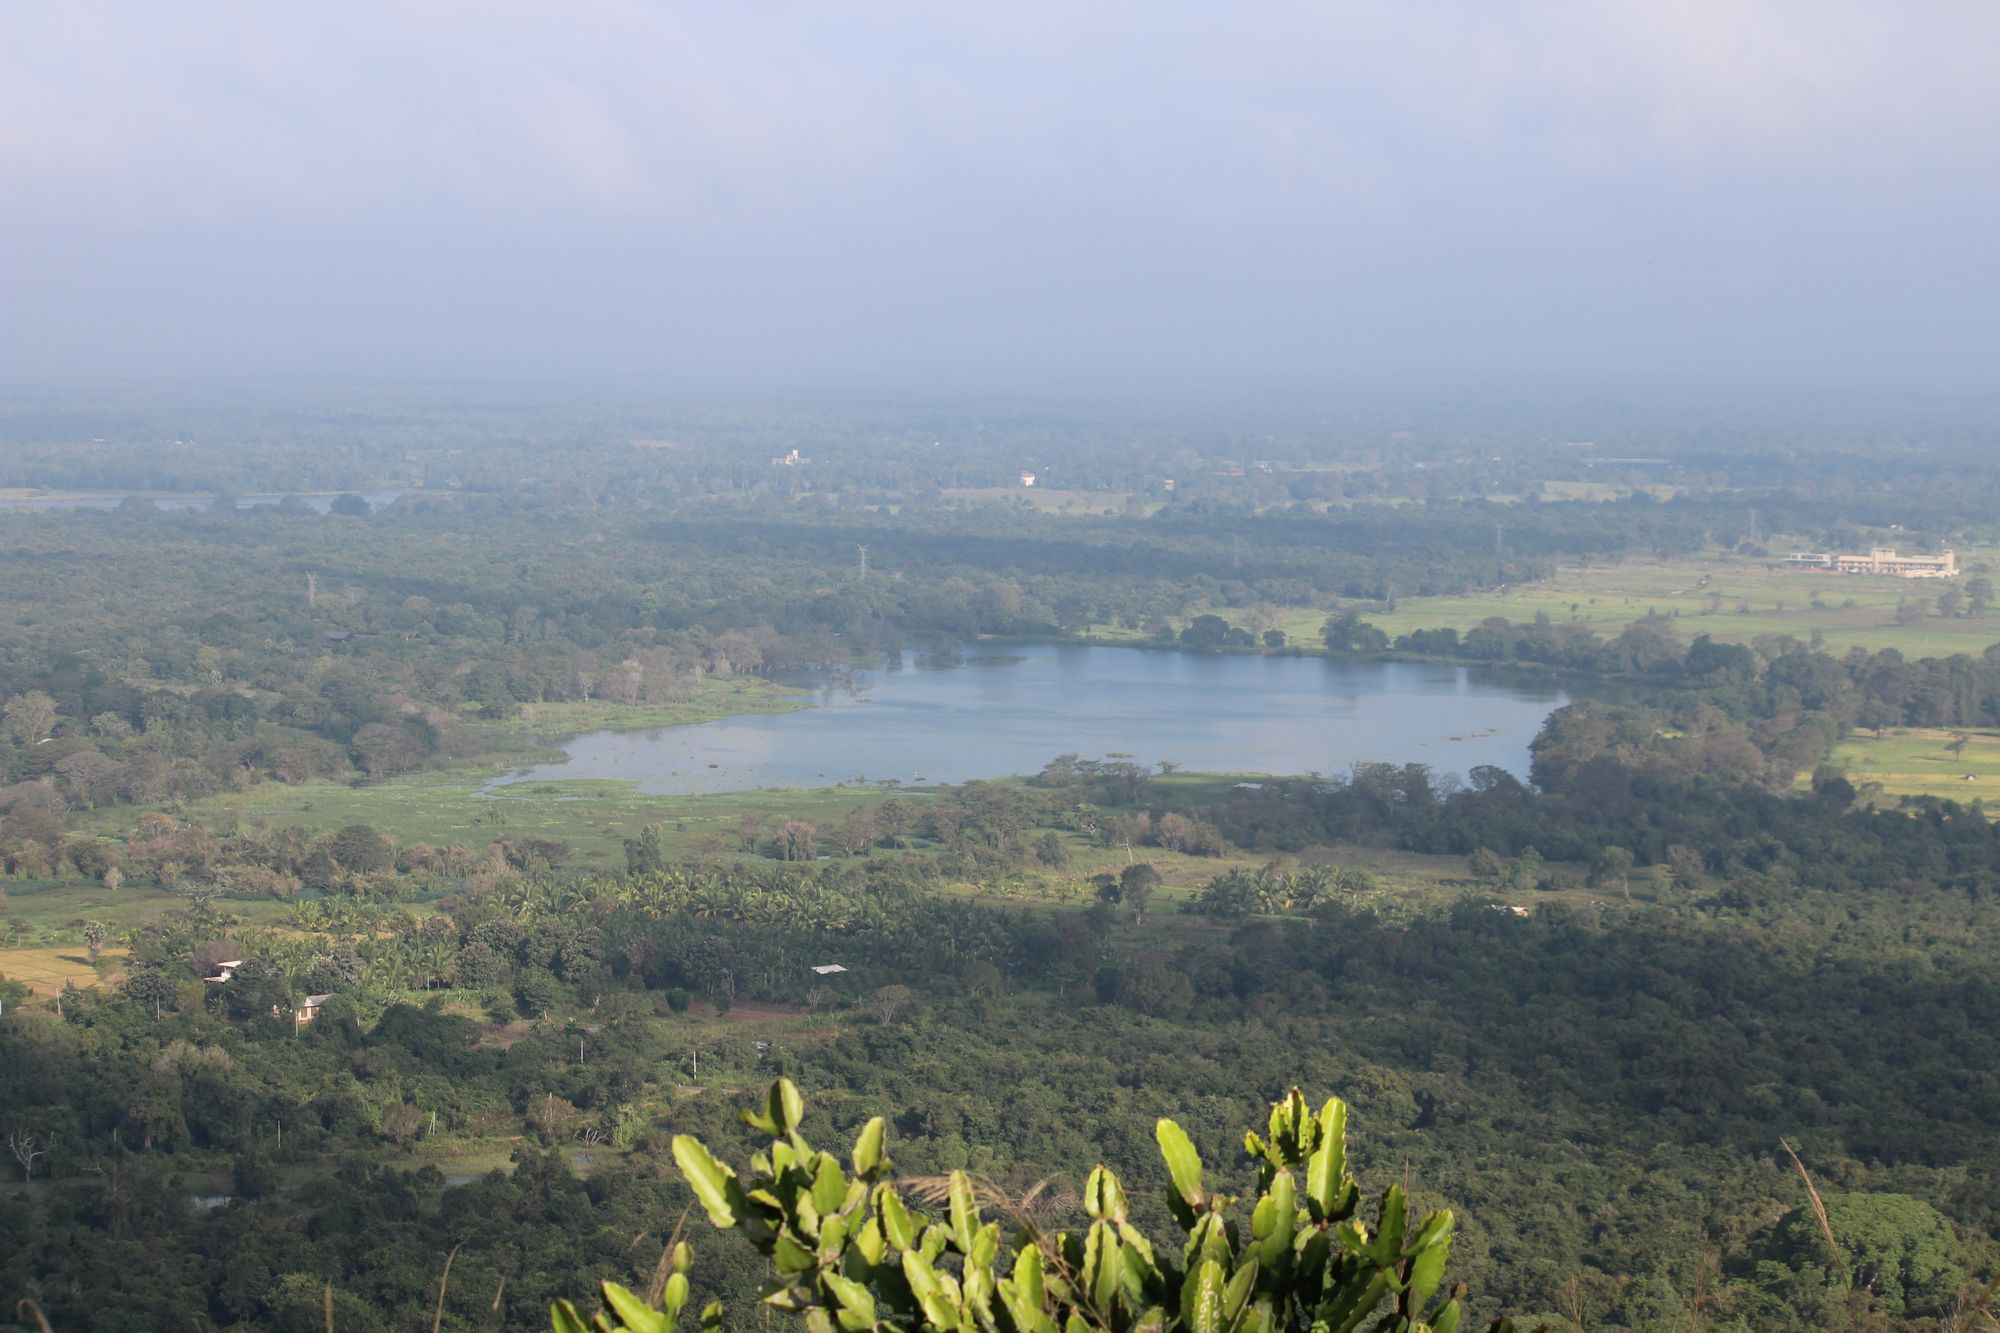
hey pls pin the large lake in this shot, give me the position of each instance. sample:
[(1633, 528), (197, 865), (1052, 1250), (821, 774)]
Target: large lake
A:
[(988, 711)]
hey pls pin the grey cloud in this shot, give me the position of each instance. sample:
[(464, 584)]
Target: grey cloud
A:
[(783, 193)]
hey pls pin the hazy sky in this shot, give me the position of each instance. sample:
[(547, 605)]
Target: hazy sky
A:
[(1015, 194)]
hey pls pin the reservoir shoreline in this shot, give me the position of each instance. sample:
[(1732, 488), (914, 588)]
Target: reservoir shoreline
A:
[(992, 709)]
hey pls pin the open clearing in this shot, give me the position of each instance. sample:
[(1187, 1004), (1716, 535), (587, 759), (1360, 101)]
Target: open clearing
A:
[(708, 699), (51, 909), (41, 940), (1912, 761), (1599, 491), (1051, 501), (1731, 598), (594, 816), (46, 970)]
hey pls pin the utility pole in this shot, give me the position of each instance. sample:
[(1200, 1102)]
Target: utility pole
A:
[(1499, 531), (864, 562), (312, 590), (1753, 526)]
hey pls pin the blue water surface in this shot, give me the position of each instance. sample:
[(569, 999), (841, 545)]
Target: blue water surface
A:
[(988, 711)]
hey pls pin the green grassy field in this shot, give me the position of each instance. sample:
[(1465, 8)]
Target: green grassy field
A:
[(708, 699), (1598, 491), (454, 807), (41, 940), (54, 910), (1917, 762), (1733, 599), (1709, 596), (46, 971), (1050, 501), (596, 816)]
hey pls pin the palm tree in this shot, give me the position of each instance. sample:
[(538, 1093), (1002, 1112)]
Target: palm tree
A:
[(440, 960)]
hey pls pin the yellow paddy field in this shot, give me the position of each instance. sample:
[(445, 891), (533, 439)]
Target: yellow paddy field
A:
[(45, 970)]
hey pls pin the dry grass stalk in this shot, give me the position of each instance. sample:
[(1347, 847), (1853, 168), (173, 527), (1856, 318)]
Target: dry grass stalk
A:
[(665, 1268), (1704, 1273), (1573, 1303), (1818, 1207), (444, 1280), (1041, 1197), (1975, 1312)]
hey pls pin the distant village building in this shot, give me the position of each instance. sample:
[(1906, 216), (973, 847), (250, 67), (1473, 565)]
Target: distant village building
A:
[(791, 459), (224, 971), (307, 1011), (1880, 560), (1027, 478)]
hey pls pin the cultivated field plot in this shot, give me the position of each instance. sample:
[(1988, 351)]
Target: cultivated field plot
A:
[(46, 970), (41, 940), (1053, 501), (1599, 491), (1925, 762), (50, 908), (707, 699), (1733, 599), (594, 816)]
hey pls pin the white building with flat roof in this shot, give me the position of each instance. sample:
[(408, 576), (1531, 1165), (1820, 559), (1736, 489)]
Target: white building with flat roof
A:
[(1880, 560)]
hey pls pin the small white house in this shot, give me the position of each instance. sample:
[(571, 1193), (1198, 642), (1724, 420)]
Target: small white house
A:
[(1027, 478), (224, 971), (829, 969), (307, 1011)]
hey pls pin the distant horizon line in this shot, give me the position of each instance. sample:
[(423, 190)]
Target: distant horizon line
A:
[(1112, 390)]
